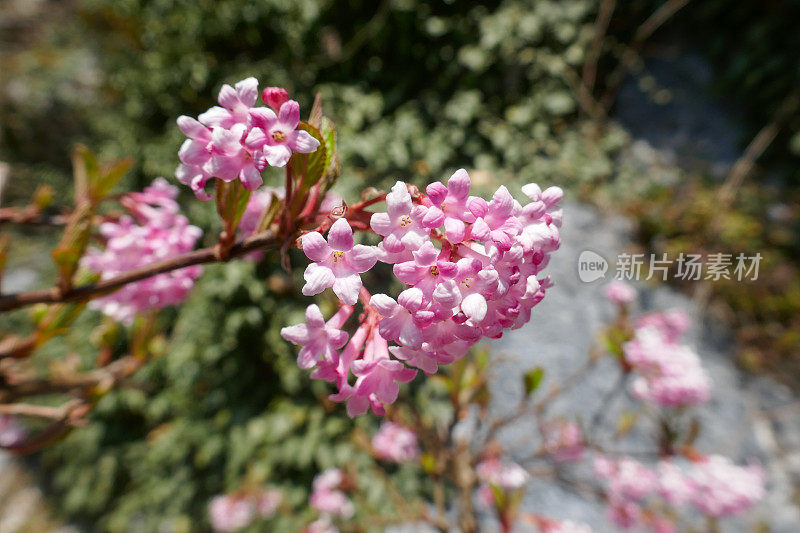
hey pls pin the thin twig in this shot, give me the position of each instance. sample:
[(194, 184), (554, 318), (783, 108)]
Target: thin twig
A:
[(596, 46), (266, 239), (643, 32)]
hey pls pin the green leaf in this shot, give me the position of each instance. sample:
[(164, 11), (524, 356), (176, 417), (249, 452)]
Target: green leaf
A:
[(231, 198), (532, 379), (108, 176), (73, 242), (308, 169)]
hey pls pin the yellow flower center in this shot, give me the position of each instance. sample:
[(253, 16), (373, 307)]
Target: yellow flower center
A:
[(278, 136), (405, 220), (337, 255), (435, 270)]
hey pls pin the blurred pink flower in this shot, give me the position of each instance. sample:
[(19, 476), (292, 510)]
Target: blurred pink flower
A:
[(620, 292), (725, 489), (564, 441), (155, 232), (11, 432), (326, 496), (395, 443), (230, 513)]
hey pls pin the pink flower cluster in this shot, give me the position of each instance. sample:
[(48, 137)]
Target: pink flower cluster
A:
[(153, 232), (714, 486), (563, 441), (395, 443), (495, 473), (327, 496), (669, 374), (470, 270), (232, 512), (236, 140)]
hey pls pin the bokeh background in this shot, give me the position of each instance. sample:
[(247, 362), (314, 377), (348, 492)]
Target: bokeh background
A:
[(640, 109)]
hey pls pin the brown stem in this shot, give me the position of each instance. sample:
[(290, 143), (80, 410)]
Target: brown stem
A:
[(40, 411), (596, 46), (265, 239)]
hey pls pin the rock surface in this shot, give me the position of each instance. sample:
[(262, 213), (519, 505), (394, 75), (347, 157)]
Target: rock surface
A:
[(747, 417)]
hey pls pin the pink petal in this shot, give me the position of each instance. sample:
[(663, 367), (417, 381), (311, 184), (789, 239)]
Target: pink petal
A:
[(407, 272), (502, 202), (225, 168), (437, 193), (398, 202), (412, 299), (455, 230), (381, 224), (217, 117), (481, 230), (263, 117), (302, 142), (475, 307), (274, 96), (532, 191), (384, 304), (228, 97), (340, 236), (318, 278), (426, 255), (193, 153), (278, 155), (251, 178), (297, 334), (314, 316), (256, 139), (552, 195), (362, 258), (226, 141), (315, 247), (347, 288), (433, 218), (477, 206), (289, 115), (392, 244), (247, 91), (193, 129), (459, 184)]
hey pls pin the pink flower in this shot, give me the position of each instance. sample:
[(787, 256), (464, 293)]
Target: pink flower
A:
[(564, 441), (230, 513), (401, 227), (274, 97), (195, 156), (232, 160), (395, 443), (724, 489), (498, 224), (338, 262), (320, 340), (399, 323), (278, 136), (326, 496), (502, 474), (427, 270), (267, 502), (672, 324), (670, 374), (452, 206), (673, 484), (627, 479), (155, 232), (237, 140), (236, 103), (620, 292)]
